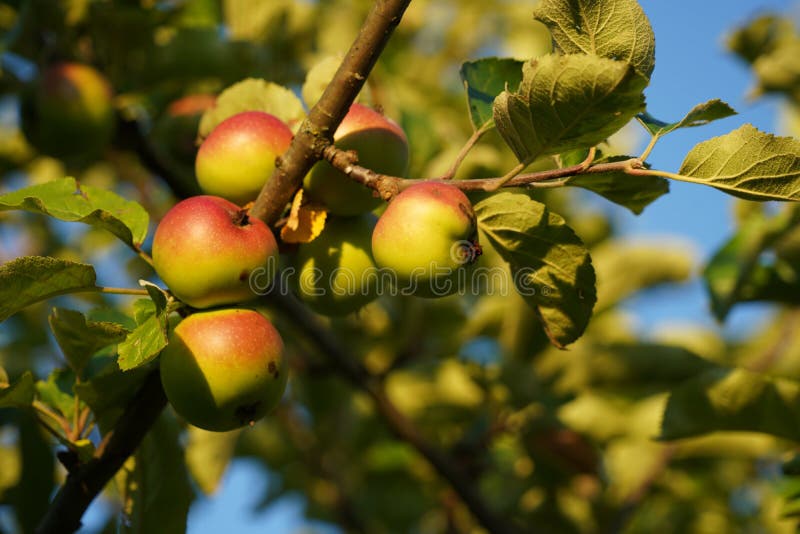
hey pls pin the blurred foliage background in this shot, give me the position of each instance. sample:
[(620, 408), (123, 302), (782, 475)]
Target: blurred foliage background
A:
[(559, 441)]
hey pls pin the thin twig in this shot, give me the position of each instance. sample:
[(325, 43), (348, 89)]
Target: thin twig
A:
[(389, 186), (462, 154)]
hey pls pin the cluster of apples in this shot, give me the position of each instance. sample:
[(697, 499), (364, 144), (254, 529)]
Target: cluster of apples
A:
[(224, 366)]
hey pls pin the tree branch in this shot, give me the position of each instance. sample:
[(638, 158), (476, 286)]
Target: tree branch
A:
[(389, 186), (316, 131), (87, 480), (400, 425)]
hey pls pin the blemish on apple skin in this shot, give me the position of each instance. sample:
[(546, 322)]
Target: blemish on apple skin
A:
[(244, 275), (273, 369)]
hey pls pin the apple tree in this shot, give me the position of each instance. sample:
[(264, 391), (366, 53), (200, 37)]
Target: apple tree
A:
[(345, 240)]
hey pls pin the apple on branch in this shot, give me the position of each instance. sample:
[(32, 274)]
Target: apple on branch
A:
[(428, 237), (381, 146), (206, 248), (224, 369), (238, 157)]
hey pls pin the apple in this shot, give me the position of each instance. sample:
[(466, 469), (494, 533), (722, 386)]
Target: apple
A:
[(428, 237), (224, 369), (173, 138), (335, 272), (381, 146), (68, 112), (205, 249), (238, 156)]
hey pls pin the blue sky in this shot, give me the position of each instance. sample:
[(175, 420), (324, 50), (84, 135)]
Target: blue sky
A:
[(692, 66)]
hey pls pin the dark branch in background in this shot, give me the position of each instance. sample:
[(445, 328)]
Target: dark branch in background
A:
[(317, 129), (400, 425), (86, 480), (388, 186)]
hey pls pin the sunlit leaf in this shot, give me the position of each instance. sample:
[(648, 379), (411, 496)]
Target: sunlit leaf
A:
[(65, 199), (253, 95), (144, 343), (486, 78), (568, 102), (699, 115), (30, 279), (747, 163), (616, 29), (550, 265)]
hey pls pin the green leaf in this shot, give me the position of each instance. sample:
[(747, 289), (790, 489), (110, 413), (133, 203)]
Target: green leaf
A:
[(53, 393), (30, 279), (64, 199), (486, 78), (144, 343), (109, 392), (253, 95), (155, 484), (732, 400), (79, 339), (616, 29), (632, 192), (566, 103), (3, 378), (550, 265), (19, 394), (699, 115), (739, 272), (208, 455), (747, 163)]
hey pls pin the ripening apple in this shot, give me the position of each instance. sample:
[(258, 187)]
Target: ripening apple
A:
[(428, 238), (68, 112), (206, 248), (174, 138), (335, 272), (381, 146), (224, 369), (238, 156)]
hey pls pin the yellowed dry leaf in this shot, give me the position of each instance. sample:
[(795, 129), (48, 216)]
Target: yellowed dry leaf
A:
[(306, 221)]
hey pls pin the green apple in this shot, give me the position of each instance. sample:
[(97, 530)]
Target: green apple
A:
[(381, 146), (238, 156), (206, 248), (335, 272), (68, 112), (173, 138), (428, 237), (224, 369)]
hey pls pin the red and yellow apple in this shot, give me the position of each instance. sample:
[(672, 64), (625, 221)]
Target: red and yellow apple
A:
[(238, 156), (206, 248), (224, 369), (381, 146), (428, 238), (68, 112), (335, 272)]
